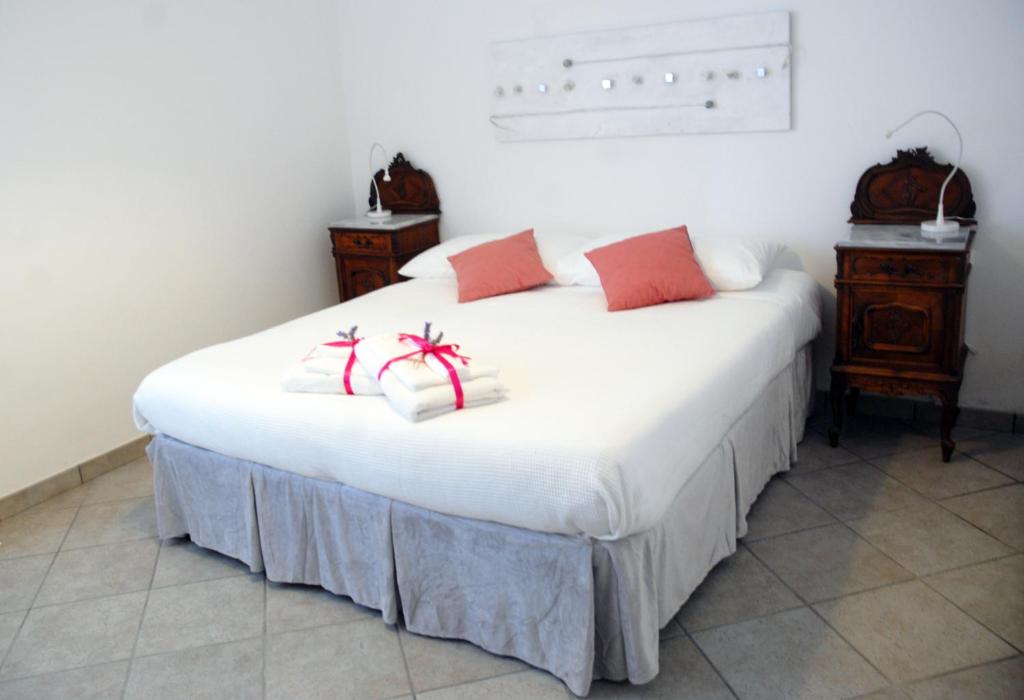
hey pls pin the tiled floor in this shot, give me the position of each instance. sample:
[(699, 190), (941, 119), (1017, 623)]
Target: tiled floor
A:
[(871, 570)]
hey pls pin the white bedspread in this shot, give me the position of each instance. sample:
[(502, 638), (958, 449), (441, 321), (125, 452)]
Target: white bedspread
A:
[(607, 416)]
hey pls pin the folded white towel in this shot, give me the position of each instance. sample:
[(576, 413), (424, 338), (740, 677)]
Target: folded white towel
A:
[(417, 372), (322, 371), (433, 401), (297, 379)]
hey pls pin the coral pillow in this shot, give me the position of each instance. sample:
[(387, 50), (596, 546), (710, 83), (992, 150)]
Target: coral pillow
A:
[(506, 265), (650, 269)]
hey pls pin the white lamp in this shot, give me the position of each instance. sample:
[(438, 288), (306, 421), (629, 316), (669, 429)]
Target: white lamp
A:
[(379, 212), (939, 228)]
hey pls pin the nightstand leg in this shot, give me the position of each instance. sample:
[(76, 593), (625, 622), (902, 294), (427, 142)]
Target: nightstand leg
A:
[(836, 396), (950, 411)]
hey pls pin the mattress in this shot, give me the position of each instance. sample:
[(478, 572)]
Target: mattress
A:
[(608, 414)]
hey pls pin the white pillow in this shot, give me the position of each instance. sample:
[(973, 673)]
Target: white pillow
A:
[(433, 262), (733, 265), (730, 264)]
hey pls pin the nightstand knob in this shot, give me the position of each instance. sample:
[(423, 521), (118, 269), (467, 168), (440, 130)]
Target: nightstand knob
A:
[(888, 268), (909, 269)]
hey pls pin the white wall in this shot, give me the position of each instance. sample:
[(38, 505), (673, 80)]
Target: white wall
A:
[(415, 78), (166, 173)]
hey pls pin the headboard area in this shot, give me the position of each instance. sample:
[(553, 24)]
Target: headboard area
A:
[(410, 191), (906, 191)]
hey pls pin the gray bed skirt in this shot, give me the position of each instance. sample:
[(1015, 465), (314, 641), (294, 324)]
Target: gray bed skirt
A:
[(577, 607)]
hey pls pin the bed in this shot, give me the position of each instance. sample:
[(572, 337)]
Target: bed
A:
[(563, 526)]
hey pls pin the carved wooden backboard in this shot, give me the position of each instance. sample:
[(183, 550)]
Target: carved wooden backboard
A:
[(906, 191), (411, 191)]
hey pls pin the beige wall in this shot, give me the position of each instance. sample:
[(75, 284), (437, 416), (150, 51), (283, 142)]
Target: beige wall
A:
[(166, 173), (415, 78)]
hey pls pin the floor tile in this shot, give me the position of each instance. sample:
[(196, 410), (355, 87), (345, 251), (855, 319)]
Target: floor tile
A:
[(1003, 680), (107, 523), (909, 631), (684, 674), (815, 453), (91, 683), (34, 532), (133, 480), (779, 509), (992, 593), (927, 539), (9, 624), (354, 660), (999, 451), (96, 572), (436, 663), (535, 685), (210, 612), (893, 692), (61, 637), (821, 418), (930, 428), (182, 561), (925, 472), (292, 607), (855, 490), (739, 588), (869, 437), (72, 498), (743, 613), (828, 562), (999, 512), (792, 654), (671, 630), (879, 406), (20, 579), (232, 670)]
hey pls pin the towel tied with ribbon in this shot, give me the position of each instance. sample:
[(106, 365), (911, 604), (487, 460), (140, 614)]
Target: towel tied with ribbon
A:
[(347, 377), (441, 352)]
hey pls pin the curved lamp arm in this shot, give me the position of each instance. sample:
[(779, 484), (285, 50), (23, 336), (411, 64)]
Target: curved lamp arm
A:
[(387, 174), (939, 217)]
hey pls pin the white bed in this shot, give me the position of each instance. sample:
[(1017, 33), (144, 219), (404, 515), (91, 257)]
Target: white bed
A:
[(564, 526), (608, 414)]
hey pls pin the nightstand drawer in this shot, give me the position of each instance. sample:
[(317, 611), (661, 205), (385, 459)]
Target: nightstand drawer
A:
[(903, 326), (360, 242), (364, 275), (871, 266), (368, 256)]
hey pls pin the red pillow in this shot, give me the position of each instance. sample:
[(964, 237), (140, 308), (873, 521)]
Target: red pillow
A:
[(650, 269), (506, 265)]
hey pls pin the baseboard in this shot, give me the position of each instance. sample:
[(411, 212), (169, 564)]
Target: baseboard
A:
[(928, 412), (73, 476)]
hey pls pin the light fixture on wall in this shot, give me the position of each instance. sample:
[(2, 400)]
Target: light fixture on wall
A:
[(379, 212), (939, 228)]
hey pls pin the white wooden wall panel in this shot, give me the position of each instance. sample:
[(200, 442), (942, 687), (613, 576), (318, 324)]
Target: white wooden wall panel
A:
[(717, 85)]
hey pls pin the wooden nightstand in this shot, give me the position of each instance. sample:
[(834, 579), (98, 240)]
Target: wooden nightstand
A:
[(900, 303), (900, 298), (367, 253)]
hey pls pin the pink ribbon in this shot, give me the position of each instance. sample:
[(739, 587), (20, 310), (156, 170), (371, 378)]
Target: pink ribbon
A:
[(347, 379), (424, 348)]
